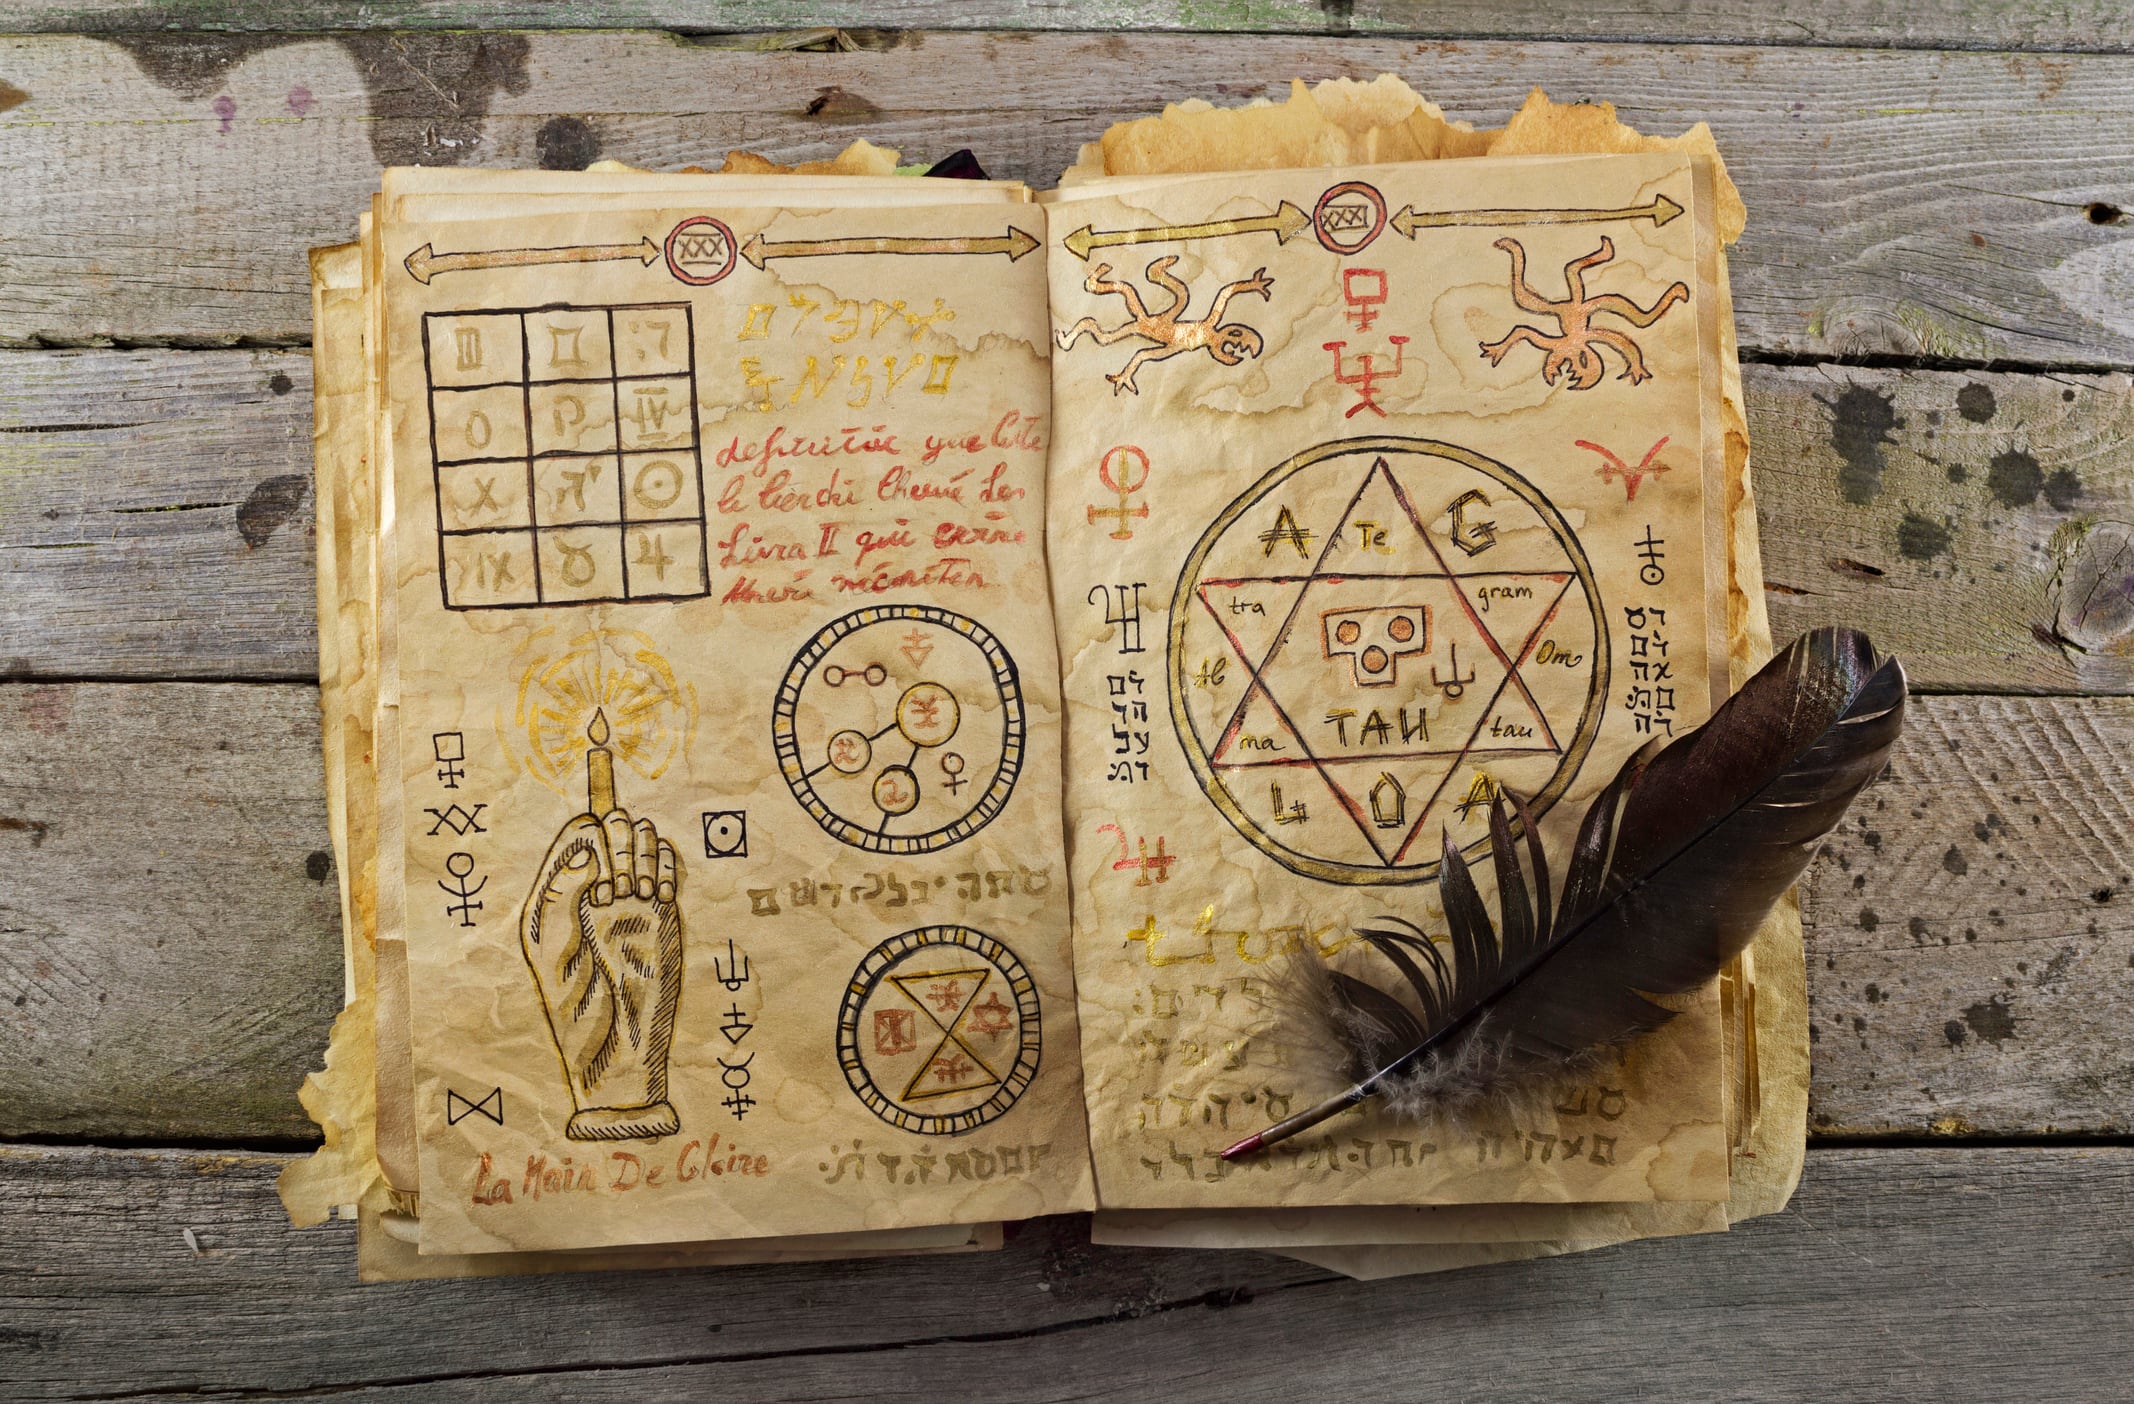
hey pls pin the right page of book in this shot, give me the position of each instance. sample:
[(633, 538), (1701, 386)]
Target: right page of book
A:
[(1373, 491)]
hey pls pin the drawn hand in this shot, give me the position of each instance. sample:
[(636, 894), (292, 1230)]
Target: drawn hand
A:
[(604, 938)]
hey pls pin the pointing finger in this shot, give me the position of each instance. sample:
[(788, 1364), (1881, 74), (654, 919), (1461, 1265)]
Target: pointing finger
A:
[(620, 879), (645, 850), (594, 843)]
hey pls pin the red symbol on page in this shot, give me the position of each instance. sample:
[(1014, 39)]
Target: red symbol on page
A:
[(1615, 467), (894, 1032)]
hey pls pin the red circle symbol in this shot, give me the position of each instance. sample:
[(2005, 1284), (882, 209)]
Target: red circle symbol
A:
[(1125, 456), (1348, 217), (701, 250)]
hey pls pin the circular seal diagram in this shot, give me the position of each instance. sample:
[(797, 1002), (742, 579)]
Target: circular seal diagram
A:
[(1348, 217), (939, 1032), (700, 250), (1371, 641), (899, 728)]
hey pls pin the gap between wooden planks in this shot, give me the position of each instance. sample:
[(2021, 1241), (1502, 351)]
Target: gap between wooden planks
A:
[(171, 951), (155, 517), (1953, 205), (1894, 1274)]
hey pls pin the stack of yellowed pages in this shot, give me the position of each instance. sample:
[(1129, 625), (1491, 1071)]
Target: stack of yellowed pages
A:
[(848, 696)]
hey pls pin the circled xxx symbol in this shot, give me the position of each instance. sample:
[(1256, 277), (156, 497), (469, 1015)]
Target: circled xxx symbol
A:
[(1348, 217), (868, 762), (850, 752), (896, 790), (939, 1030), (1402, 626), (700, 250)]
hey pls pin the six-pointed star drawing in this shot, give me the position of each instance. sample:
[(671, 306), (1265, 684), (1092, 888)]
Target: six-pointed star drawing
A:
[(1338, 660)]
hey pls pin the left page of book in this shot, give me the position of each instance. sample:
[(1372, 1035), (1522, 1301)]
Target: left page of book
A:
[(345, 1175), (729, 721)]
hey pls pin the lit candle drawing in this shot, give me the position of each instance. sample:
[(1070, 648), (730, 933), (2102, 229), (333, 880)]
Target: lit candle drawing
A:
[(599, 768)]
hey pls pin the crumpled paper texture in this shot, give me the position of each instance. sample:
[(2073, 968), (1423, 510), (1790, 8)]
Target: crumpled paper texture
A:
[(1769, 1070), (983, 353), (1335, 122)]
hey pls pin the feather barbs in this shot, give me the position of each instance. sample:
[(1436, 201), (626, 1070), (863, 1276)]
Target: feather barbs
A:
[(1673, 867)]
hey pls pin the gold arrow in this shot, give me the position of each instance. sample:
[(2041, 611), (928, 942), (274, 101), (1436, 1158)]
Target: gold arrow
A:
[(425, 263), (1015, 243), (1285, 224), (1408, 220)]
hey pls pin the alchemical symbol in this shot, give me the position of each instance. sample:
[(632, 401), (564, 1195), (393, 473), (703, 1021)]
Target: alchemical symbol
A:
[(939, 1030), (871, 764), (565, 455), (1370, 686)]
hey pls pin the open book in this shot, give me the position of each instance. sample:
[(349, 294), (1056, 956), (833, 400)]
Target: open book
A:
[(846, 696)]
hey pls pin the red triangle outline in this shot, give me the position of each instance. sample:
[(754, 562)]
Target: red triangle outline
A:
[(1511, 672), (1511, 668), (1236, 726)]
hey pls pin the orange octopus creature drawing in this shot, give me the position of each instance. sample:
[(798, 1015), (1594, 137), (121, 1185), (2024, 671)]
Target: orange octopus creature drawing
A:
[(1575, 352), (1170, 333)]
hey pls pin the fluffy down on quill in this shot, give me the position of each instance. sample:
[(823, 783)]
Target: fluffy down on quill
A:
[(1674, 866)]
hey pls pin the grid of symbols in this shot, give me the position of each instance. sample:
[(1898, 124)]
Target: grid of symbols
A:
[(566, 452)]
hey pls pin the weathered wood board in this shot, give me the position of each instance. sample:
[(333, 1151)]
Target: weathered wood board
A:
[(169, 921), (1977, 524), (1969, 24), (1909, 1274), (1971, 928), (1951, 205), (155, 517), (169, 941)]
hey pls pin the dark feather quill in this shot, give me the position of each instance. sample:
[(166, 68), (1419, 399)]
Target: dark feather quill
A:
[(1674, 867)]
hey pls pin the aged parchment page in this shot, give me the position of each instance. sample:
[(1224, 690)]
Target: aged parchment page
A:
[(1340, 122), (342, 1098), (483, 195), (1347, 528), (743, 691), (1770, 1145), (345, 1174)]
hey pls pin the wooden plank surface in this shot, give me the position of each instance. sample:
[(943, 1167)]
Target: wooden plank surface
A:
[(154, 519), (1967, 24), (1951, 205), (169, 922), (1900, 1274), (1971, 928), (1977, 524), (156, 515), (170, 953)]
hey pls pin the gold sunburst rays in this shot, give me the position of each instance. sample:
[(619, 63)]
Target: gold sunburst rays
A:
[(615, 673)]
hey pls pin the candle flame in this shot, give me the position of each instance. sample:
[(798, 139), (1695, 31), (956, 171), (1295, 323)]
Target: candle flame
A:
[(598, 730)]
